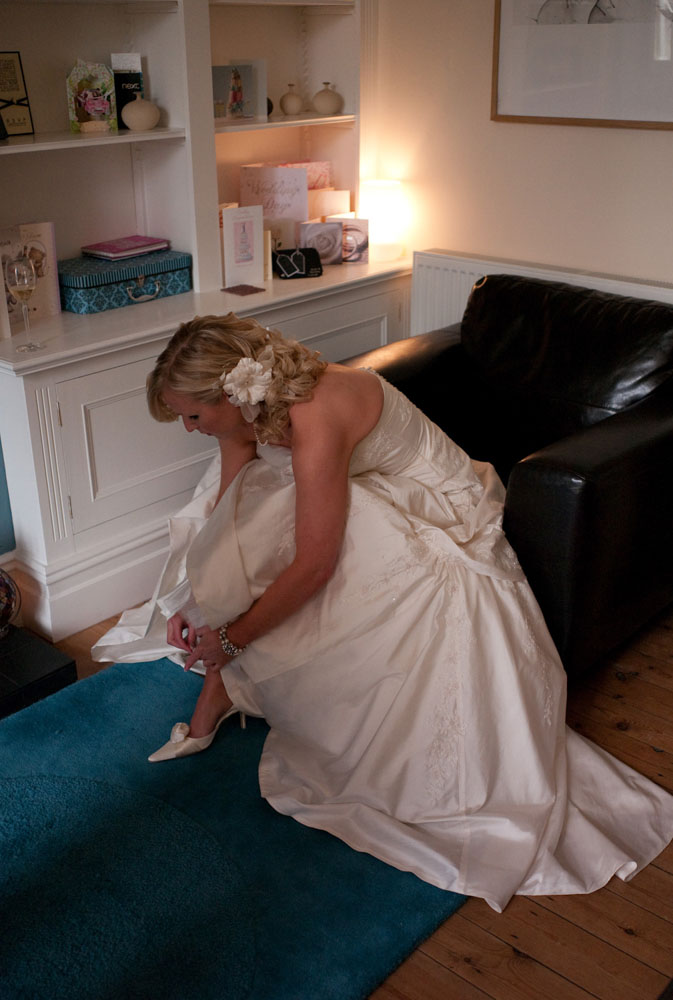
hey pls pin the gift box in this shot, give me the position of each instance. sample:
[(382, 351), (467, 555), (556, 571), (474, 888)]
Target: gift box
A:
[(90, 285)]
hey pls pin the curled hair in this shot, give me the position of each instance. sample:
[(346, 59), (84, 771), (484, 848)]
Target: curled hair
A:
[(200, 351)]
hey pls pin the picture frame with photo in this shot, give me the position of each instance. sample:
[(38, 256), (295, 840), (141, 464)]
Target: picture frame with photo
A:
[(14, 104), (239, 90)]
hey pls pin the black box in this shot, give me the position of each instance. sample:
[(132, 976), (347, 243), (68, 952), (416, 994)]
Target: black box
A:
[(127, 85), (30, 669)]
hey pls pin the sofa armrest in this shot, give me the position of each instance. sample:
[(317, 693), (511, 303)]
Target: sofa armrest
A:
[(404, 359), (590, 519)]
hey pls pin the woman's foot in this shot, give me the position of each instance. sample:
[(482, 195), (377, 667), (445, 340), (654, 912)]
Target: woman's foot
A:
[(212, 703)]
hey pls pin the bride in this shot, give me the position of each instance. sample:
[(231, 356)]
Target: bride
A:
[(342, 572)]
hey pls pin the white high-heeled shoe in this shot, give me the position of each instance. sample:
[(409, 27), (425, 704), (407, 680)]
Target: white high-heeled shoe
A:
[(181, 744)]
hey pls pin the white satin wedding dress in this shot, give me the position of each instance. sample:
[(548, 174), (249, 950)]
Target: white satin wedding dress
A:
[(417, 703)]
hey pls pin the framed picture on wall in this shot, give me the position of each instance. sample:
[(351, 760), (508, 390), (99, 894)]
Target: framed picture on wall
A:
[(583, 62), (14, 106)]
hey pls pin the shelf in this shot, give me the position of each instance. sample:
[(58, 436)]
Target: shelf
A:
[(70, 140), (130, 6), (345, 4), (282, 121)]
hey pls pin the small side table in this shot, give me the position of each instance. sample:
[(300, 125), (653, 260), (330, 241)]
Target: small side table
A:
[(30, 669)]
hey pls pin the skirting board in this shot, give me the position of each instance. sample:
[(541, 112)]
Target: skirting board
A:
[(62, 602)]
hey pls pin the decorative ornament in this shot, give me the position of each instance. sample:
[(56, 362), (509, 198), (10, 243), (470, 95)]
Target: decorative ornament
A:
[(91, 98), (248, 382), (140, 115), (10, 602), (327, 101), (291, 103)]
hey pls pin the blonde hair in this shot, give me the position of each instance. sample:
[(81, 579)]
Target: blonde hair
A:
[(200, 351)]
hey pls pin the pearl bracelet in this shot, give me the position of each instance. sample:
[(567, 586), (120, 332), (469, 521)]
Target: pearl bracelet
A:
[(227, 645)]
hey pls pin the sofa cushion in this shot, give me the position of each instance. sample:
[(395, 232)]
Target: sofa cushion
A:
[(583, 353)]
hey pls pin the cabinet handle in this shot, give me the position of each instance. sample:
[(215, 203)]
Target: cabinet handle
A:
[(145, 297)]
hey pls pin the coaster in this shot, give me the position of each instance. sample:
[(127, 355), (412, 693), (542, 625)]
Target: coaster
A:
[(243, 289)]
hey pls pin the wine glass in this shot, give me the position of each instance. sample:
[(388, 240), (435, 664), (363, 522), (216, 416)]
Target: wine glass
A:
[(21, 282)]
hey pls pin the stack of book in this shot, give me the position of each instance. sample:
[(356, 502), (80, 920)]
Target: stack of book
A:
[(126, 246)]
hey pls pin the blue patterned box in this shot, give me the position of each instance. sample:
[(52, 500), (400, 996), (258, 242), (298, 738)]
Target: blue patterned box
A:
[(90, 285)]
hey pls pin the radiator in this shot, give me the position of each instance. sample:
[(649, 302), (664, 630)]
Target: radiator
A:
[(442, 281)]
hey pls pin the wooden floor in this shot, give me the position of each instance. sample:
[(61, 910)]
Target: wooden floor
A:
[(616, 944)]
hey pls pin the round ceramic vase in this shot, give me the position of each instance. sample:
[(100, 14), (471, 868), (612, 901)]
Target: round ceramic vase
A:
[(140, 115), (291, 103), (327, 101)]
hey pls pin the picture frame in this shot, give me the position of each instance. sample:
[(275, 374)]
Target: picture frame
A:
[(239, 90), (583, 63), (14, 103)]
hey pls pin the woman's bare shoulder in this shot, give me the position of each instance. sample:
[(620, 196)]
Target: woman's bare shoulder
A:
[(355, 388), (347, 397), (342, 379)]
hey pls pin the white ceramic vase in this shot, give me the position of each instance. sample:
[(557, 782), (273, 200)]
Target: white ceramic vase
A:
[(140, 115), (291, 103), (327, 101)]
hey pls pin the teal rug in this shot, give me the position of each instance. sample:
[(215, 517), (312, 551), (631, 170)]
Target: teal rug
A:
[(124, 880)]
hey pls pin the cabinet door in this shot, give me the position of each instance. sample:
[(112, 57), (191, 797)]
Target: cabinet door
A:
[(119, 460), (340, 331)]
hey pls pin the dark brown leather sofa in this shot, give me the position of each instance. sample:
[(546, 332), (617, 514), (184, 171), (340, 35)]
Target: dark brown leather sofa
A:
[(569, 393)]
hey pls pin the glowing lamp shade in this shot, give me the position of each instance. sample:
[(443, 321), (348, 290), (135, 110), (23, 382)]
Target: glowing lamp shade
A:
[(384, 204)]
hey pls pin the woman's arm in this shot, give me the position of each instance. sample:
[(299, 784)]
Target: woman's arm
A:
[(322, 443)]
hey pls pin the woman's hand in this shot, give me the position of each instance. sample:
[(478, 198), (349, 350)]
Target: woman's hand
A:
[(174, 633), (209, 649)]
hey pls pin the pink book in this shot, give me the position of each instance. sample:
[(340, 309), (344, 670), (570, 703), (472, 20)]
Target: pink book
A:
[(126, 246)]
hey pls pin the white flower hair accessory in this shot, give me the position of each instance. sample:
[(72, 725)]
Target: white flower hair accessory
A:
[(248, 382)]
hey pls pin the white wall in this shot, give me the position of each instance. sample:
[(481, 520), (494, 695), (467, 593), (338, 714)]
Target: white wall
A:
[(598, 199)]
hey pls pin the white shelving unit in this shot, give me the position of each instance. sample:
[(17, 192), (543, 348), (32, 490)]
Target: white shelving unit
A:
[(306, 45), (91, 478), (161, 181)]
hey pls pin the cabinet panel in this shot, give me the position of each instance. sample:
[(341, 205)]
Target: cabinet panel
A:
[(119, 459), (355, 338), (341, 331)]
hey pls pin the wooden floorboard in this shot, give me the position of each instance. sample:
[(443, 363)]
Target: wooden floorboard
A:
[(615, 944)]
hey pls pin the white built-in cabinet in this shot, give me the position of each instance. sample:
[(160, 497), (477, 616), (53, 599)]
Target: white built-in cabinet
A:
[(92, 479)]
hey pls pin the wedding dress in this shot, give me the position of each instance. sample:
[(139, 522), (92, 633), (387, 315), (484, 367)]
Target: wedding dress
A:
[(416, 704)]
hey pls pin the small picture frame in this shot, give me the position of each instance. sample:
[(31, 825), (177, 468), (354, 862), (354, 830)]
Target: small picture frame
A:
[(14, 104), (239, 90)]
